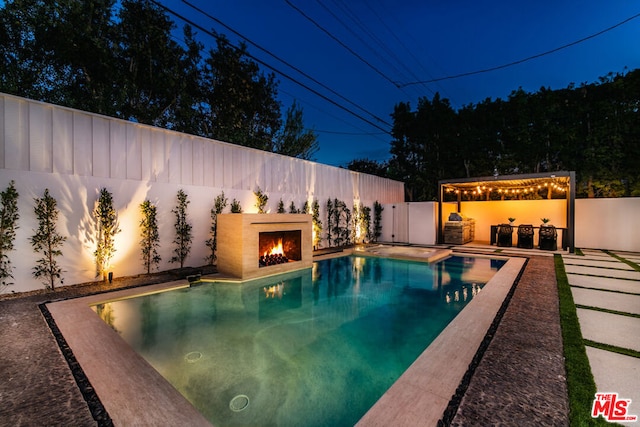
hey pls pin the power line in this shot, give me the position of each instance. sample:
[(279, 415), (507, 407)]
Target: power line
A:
[(336, 117), (327, 32), (405, 47), (349, 133), (377, 52), (268, 52), (511, 64), (283, 74)]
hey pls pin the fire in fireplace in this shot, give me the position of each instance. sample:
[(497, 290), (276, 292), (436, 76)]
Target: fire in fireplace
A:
[(279, 247)]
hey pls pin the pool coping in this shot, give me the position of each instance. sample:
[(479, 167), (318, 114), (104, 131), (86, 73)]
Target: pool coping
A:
[(133, 393), (422, 393)]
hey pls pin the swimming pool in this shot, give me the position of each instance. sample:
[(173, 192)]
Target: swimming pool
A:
[(314, 347)]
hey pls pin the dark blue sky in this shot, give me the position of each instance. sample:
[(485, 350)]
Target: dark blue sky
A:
[(361, 51)]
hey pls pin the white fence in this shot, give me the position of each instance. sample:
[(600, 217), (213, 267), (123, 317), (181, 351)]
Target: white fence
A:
[(612, 224), (74, 154)]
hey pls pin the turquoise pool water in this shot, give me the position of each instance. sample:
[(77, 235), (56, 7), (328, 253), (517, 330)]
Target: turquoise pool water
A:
[(315, 348)]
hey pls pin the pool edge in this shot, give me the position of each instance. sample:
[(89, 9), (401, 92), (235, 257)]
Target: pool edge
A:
[(131, 391), (423, 392), (145, 396)]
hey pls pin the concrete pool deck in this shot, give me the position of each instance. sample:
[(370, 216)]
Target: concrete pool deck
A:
[(37, 387)]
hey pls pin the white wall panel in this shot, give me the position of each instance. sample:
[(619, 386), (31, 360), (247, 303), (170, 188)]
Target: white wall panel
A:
[(82, 145), (173, 144), (134, 153), (118, 150), (16, 146), (197, 163), (101, 140), (40, 135), (608, 224), (159, 161), (218, 164), (62, 124), (186, 160), (228, 165), (144, 136)]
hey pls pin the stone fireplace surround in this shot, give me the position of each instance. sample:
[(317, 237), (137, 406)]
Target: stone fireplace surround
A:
[(238, 240)]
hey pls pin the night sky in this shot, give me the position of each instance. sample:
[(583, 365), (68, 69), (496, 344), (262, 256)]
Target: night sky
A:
[(366, 55)]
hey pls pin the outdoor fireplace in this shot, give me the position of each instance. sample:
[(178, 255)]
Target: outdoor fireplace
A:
[(255, 245)]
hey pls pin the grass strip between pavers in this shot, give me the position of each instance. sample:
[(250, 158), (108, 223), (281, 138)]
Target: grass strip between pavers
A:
[(612, 348), (621, 259), (580, 383)]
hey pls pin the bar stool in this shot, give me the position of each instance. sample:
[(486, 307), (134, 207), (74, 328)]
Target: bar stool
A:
[(525, 236), (548, 238), (505, 232)]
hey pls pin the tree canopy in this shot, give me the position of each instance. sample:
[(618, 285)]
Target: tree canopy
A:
[(593, 129), (126, 59)]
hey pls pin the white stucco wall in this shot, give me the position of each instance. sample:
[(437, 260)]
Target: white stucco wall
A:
[(74, 154), (612, 224), (608, 224)]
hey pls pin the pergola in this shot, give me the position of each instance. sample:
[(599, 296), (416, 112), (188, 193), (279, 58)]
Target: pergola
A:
[(511, 185)]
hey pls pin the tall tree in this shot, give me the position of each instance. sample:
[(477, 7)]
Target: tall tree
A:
[(293, 140), (406, 155), (150, 63), (422, 146), (59, 52), (242, 107), (368, 166)]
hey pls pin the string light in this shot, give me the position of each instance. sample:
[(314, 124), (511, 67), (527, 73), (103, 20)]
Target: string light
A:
[(511, 190)]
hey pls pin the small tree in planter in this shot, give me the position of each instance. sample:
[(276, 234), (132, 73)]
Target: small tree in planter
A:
[(183, 230), (8, 225), (365, 223), (107, 227), (261, 200), (305, 208), (317, 223), (150, 236), (281, 207), (377, 220), (293, 209), (218, 206), (330, 215), (47, 241), (356, 223), (235, 206), (341, 223), (347, 229)]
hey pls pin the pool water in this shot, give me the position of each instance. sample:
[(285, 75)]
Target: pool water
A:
[(316, 347)]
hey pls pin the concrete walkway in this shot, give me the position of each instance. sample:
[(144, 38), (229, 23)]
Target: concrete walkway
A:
[(606, 292)]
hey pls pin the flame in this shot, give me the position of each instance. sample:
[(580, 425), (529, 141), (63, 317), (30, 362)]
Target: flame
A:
[(276, 249)]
